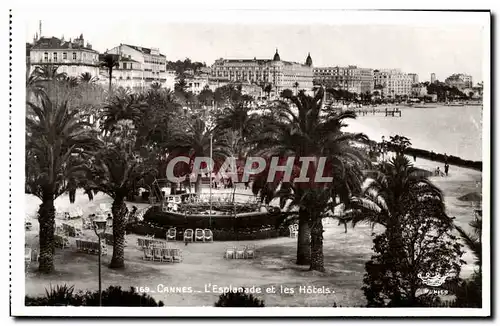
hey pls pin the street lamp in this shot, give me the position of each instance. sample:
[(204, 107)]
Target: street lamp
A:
[(100, 230)]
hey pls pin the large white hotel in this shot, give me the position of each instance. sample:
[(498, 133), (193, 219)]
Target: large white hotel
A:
[(276, 72)]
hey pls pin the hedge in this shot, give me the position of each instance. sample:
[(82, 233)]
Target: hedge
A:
[(266, 232), (254, 220)]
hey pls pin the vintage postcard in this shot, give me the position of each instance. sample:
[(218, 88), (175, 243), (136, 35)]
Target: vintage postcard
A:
[(224, 162)]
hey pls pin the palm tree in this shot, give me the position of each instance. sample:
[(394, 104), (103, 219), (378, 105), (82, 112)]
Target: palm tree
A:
[(155, 86), (87, 78), (382, 195), (58, 139), (49, 72), (110, 61), (473, 240), (127, 107), (237, 118), (312, 132), (115, 171), (195, 137)]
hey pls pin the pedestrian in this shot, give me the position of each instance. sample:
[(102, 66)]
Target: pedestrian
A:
[(414, 158), (446, 168)]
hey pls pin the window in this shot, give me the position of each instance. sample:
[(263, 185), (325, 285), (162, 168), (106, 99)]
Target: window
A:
[(124, 65), (65, 56), (55, 56), (46, 56), (74, 55)]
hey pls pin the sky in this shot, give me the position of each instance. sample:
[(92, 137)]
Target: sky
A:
[(440, 48)]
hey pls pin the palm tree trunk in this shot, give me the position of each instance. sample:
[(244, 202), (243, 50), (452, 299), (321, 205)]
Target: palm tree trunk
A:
[(46, 216), (119, 210), (317, 258), (110, 76), (304, 239)]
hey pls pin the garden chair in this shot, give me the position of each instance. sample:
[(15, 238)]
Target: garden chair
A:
[(250, 251), (188, 235), (176, 255), (167, 255), (209, 236), (141, 243), (148, 254), (157, 254), (229, 253), (296, 227), (199, 235), (293, 232), (172, 234), (239, 253)]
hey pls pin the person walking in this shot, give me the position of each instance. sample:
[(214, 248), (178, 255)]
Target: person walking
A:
[(446, 168)]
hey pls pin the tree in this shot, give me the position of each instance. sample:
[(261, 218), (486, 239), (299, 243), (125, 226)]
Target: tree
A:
[(117, 168), (195, 137), (110, 62), (122, 107), (237, 118), (206, 96), (468, 292), (155, 86), (419, 242), (49, 73), (286, 93), (382, 194), (312, 132), (86, 77), (181, 86), (268, 89), (58, 140)]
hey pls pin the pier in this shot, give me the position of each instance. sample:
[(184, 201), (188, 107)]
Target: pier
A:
[(396, 112)]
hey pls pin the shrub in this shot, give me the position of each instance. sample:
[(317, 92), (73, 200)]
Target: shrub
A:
[(238, 299), (266, 232), (113, 296)]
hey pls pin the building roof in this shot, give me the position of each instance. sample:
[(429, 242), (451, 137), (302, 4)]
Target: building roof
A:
[(123, 58), (54, 43), (141, 49)]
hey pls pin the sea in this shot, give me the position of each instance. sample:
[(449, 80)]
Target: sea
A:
[(454, 130)]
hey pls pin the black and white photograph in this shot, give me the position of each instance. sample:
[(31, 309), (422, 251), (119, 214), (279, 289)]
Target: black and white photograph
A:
[(202, 162)]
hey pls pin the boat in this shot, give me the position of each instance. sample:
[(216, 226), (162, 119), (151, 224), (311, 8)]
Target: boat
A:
[(454, 104)]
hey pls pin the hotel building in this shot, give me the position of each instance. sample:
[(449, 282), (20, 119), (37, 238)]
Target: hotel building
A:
[(72, 57), (460, 81), (139, 67), (414, 78), (350, 78), (392, 82), (276, 72)]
